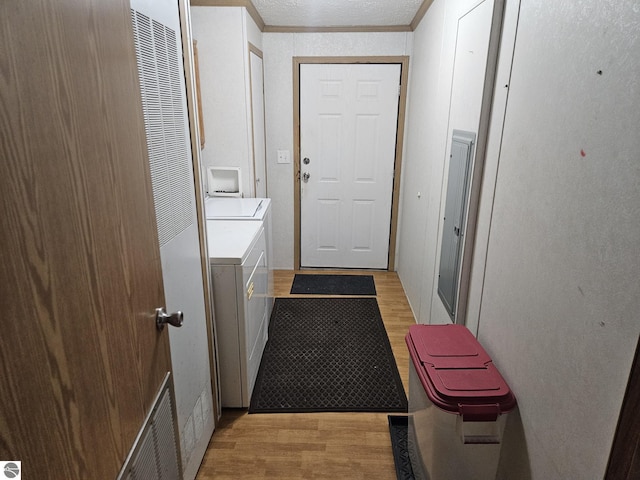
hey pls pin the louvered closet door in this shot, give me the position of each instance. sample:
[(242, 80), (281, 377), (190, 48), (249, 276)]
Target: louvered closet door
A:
[(159, 53)]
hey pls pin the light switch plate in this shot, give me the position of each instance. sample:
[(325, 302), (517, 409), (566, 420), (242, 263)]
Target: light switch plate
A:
[(283, 156)]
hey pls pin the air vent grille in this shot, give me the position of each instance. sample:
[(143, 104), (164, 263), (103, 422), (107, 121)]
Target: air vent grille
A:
[(165, 124), (155, 453)]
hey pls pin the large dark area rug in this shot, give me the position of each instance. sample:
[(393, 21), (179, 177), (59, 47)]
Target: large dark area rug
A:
[(311, 284), (327, 355), (399, 431)]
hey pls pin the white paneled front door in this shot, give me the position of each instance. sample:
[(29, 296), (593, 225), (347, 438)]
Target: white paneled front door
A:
[(348, 124)]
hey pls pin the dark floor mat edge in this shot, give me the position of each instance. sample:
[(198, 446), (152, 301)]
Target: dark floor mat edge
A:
[(330, 284), (398, 433)]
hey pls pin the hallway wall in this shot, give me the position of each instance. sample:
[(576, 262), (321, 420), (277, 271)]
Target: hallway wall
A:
[(427, 110), (561, 295), (558, 296), (223, 34)]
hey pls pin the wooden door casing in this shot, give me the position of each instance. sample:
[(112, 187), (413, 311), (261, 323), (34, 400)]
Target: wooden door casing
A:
[(80, 276)]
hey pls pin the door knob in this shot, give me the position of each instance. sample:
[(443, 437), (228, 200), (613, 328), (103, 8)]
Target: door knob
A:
[(305, 177), (162, 318)]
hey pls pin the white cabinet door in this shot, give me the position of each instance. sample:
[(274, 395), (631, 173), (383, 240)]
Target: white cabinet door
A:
[(161, 72)]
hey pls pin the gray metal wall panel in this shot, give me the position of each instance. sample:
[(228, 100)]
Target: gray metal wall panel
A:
[(454, 218)]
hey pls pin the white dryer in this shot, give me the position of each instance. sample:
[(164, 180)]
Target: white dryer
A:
[(238, 259), (246, 209)]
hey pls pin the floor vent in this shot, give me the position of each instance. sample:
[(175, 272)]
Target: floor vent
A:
[(155, 452)]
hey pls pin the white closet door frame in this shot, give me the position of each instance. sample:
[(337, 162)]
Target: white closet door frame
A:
[(257, 122)]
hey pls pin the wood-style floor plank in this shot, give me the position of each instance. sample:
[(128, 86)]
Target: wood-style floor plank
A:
[(314, 445)]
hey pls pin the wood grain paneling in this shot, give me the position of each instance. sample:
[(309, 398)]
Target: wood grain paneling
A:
[(80, 276), (624, 461), (314, 445)]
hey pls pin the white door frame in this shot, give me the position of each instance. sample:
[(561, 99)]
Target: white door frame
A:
[(258, 131), (197, 143), (404, 79)]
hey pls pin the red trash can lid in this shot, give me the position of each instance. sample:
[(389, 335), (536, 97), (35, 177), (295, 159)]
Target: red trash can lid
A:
[(457, 374)]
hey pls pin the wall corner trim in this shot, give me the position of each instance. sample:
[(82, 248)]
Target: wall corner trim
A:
[(420, 14), (350, 29), (248, 4), (253, 11)]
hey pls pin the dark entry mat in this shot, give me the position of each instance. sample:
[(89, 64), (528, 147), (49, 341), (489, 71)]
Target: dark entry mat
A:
[(398, 431), (333, 284), (327, 355)]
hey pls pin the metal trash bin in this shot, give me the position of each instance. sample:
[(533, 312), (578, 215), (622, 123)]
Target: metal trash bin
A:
[(457, 405)]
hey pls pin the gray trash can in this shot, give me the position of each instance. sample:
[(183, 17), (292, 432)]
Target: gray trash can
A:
[(457, 405)]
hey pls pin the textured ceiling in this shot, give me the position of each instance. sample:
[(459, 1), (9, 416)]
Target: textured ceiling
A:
[(337, 13)]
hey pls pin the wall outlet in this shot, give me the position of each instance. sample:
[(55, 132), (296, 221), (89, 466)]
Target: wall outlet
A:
[(283, 156)]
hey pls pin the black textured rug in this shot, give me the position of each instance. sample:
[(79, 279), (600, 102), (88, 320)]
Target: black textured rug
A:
[(333, 284), (398, 431), (327, 355)]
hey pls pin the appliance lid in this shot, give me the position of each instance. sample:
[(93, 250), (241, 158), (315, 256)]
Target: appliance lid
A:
[(457, 374), (224, 207), (229, 242)]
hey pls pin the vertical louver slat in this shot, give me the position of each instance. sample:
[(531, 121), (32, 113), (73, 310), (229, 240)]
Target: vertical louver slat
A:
[(181, 172)]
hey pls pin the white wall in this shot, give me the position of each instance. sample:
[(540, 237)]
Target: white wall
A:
[(558, 307), (422, 167), (561, 295), (223, 34), (279, 50), (429, 124)]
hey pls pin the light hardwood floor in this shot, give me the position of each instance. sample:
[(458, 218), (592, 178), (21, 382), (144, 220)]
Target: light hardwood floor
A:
[(320, 445)]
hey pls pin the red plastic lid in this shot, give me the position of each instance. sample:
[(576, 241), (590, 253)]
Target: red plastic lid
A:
[(456, 373)]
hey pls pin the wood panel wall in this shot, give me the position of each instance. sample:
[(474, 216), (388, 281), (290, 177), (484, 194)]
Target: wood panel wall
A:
[(624, 462)]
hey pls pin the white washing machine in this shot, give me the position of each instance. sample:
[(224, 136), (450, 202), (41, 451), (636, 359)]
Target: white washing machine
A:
[(240, 278), (246, 209)]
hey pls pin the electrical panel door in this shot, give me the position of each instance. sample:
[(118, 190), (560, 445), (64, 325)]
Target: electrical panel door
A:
[(454, 218)]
